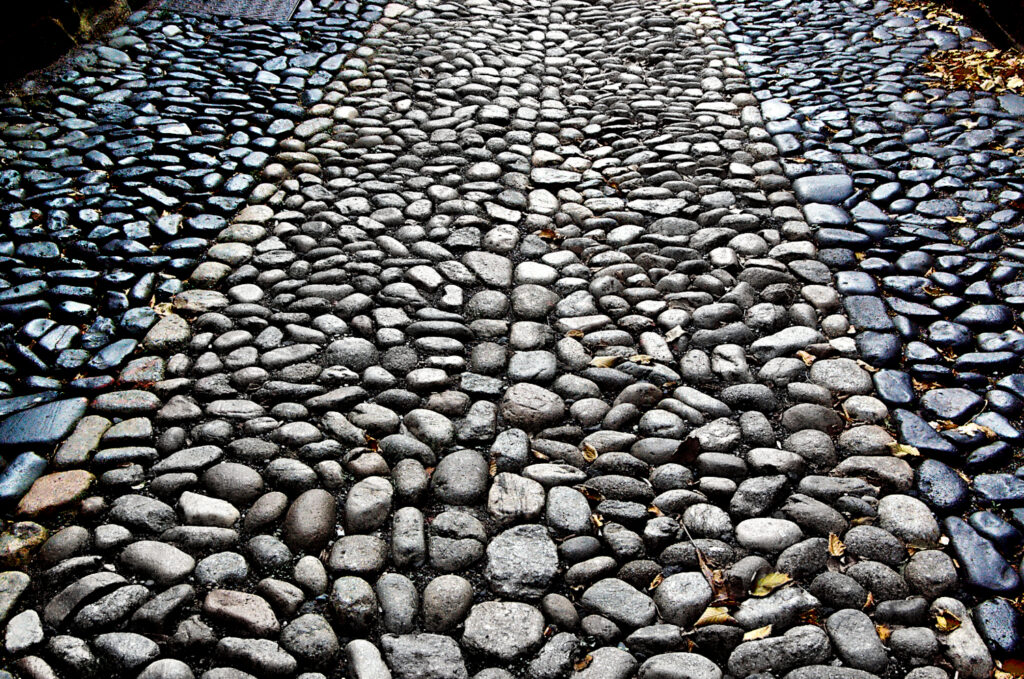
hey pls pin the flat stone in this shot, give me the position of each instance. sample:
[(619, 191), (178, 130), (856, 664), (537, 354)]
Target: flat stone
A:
[(42, 426), (424, 656), (53, 492), (247, 611), (521, 562), (505, 630)]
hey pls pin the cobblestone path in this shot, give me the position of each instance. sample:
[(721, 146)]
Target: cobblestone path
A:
[(551, 339)]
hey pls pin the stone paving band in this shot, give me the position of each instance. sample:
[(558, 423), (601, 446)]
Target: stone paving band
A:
[(524, 338)]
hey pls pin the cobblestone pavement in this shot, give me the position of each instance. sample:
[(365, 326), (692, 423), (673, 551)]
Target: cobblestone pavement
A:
[(553, 338)]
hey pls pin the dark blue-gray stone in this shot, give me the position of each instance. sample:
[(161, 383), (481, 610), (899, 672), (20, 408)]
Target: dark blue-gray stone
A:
[(820, 214), (19, 476), (1001, 488), (984, 568), (831, 189), (914, 431), (879, 348), (43, 425), (18, 403), (867, 312), (1002, 627), (957, 405), (992, 527), (941, 487), (894, 387)]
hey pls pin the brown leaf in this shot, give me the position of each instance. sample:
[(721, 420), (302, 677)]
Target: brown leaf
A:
[(946, 621), (687, 451), (658, 579), (869, 602), (807, 358), (589, 452), (759, 633), (835, 545), (575, 334), (492, 468), (654, 509), (584, 663), (604, 361), (884, 632), (1014, 667), (714, 615), (769, 583)]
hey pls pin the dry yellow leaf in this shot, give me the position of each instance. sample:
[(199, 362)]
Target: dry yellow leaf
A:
[(597, 520), (946, 621), (904, 450), (539, 455), (714, 615), (575, 334), (492, 468), (884, 632), (658, 579), (1015, 83), (835, 545), (807, 358), (869, 602), (604, 361), (759, 633), (642, 359), (589, 452), (655, 510), (769, 583), (974, 428), (957, 220)]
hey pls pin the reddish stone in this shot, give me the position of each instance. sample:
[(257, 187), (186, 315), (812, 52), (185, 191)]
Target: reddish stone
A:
[(55, 491)]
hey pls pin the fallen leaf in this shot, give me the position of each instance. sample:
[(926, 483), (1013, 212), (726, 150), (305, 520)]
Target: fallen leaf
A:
[(807, 358), (835, 545), (492, 468), (869, 602), (759, 633), (658, 579), (904, 450), (575, 334), (674, 334), (974, 428), (597, 520), (584, 663), (867, 366), (642, 359), (604, 361), (714, 615), (539, 455), (653, 509), (946, 621), (589, 452), (957, 219), (884, 632), (769, 583), (1014, 667)]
